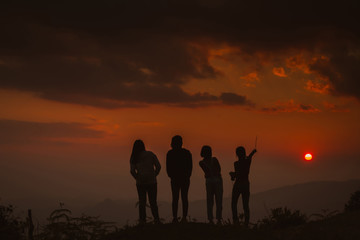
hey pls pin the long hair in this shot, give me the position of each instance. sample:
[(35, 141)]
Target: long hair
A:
[(138, 147)]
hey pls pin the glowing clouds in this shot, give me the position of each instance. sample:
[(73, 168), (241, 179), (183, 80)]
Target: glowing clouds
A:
[(280, 72)]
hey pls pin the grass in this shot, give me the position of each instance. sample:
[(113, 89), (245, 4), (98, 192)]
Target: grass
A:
[(281, 224), (344, 226)]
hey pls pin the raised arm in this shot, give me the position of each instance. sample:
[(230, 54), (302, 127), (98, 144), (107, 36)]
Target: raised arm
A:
[(252, 153)]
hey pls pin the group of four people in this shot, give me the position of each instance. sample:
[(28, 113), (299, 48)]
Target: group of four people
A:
[(145, 166)]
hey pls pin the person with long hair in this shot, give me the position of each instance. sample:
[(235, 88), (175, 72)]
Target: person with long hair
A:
[(242, 184), (144, 167), (214, 183)]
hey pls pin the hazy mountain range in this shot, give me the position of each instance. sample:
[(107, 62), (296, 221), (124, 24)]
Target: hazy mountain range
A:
[(309, 198)]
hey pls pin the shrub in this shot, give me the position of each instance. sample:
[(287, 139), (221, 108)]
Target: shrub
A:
[(10, 226), (324, 214), (354, 202), (65, 227), (283, 217)]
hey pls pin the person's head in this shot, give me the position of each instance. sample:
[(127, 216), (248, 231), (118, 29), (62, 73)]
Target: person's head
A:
[(138, 147), (240, 152), (206, 152), (176, 142)]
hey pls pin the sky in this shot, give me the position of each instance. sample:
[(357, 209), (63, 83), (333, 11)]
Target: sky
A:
[(80, 81)]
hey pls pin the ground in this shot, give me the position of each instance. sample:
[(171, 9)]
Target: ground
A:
[(343, 226)]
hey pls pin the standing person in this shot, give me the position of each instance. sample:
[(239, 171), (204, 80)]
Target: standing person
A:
[(144, 167), (242, 184), (214, 184), (179, 168)]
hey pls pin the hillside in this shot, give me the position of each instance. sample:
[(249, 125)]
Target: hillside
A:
[(309, 198), (342, 226)]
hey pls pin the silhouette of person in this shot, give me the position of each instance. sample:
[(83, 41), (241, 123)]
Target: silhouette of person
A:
[(242, 184), (179, 168), (144, 167), (214, 184)]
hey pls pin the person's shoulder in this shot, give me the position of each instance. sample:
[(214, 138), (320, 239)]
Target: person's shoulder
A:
[(170, 152), (186, 151), (148, 154)]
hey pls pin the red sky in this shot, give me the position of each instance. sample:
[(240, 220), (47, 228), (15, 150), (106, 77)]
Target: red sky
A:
[(79, 84)]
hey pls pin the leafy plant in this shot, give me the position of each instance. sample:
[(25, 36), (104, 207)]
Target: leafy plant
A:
[(354, 202), (283, 217), (324, 214), (62, 226), (11, 227)]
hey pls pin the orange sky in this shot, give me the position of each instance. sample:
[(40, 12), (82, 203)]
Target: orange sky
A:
[(283, 137), (76, 92)]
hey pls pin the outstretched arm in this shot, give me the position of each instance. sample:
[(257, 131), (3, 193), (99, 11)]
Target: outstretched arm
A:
[(252, 153)]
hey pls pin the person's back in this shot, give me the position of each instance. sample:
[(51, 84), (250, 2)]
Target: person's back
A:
[(242, 169), (179, 169), (179, 164), (214, 184), (242, 184), (211, 168), (144, 167), (146, 174)]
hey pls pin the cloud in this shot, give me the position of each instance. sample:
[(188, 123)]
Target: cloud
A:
[(19, 132), (133, 53), (251, 79), (335, 108), (341, 70), (147, 124), (229, 98), (318, 87), (290, 106), (280, 72)]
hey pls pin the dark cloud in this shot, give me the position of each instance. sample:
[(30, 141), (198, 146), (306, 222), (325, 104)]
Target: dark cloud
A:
[(234, 99), (341, 69), (133, 53), (290, 106), (13, 131)]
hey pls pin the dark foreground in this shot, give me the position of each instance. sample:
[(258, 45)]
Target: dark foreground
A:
[(343, 226)]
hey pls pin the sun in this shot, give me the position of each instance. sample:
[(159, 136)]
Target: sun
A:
[(308, 157)]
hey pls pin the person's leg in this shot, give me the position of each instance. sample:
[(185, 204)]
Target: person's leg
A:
[(142, 203), (234, 200), (175, 188), (218, 199), (210, 200), (152, 192), (184, 197), (245, 202)]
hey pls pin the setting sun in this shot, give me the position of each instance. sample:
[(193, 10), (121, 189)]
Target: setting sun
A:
[(308, 157)]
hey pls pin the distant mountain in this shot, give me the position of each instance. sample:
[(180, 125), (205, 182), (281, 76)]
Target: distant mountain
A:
[(309, 198)]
